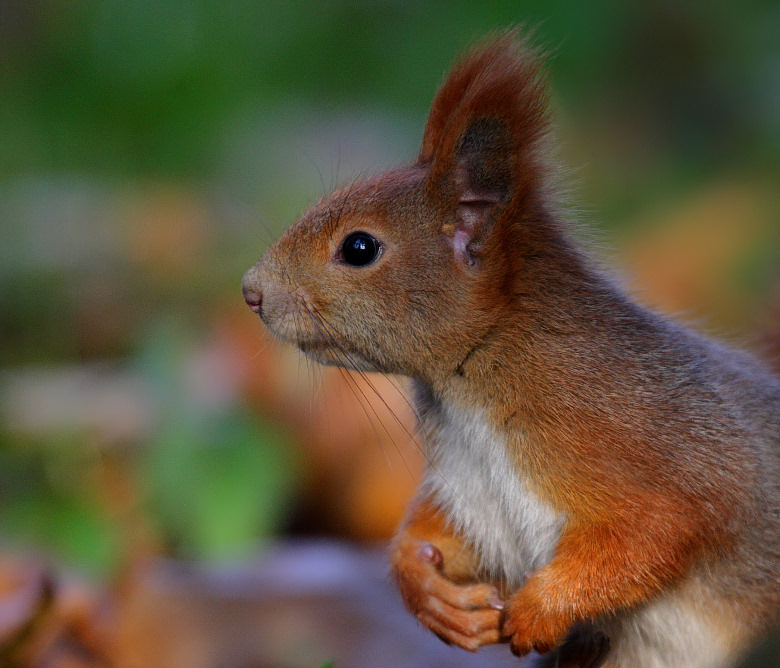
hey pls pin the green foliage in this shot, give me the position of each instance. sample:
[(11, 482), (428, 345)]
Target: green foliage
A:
[(49, 500), (216, 479), (117, 88), (218, 487)]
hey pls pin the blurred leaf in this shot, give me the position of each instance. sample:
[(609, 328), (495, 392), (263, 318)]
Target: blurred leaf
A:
[(49, 505), (217, 488)]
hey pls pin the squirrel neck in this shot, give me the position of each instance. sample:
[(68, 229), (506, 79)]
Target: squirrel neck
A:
[(566, 338), (553, 376), (590, 391)]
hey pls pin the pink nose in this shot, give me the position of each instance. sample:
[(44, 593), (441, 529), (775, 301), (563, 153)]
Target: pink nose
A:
[(253, 296)]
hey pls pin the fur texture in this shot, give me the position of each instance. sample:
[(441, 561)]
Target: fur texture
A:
[(470, 461), (631, 465)]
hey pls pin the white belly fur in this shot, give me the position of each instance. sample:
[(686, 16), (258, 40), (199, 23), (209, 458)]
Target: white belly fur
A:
[(481, 489), (668, 632), (474, 480)]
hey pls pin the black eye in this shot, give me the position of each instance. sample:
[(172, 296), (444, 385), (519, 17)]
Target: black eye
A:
[(360, 249)]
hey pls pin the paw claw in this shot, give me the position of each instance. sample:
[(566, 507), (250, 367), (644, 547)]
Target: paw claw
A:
[(519, 649), (431, 554), (443, 638), (495, 602)]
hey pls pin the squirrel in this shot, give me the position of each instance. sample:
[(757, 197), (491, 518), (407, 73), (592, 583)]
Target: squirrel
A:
[(592, 466)]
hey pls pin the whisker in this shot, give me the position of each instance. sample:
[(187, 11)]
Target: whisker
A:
[(307, 362), (297, 338), (335, 334), (341, 357), (432, 466), (262, 350), (319, 172), (325, 395), (338, 162), (246, 211)]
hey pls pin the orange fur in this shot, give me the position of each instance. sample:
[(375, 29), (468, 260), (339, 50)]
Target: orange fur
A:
[(646, 456)]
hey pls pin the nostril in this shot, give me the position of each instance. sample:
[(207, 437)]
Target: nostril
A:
[(253, 297)]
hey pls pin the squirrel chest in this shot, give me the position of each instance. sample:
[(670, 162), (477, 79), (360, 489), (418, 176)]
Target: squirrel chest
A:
[(480, 487)]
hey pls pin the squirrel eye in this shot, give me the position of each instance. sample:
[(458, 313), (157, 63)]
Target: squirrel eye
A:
[(360, 249)]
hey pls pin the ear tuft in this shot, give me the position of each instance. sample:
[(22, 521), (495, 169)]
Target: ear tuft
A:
[(487, 120)]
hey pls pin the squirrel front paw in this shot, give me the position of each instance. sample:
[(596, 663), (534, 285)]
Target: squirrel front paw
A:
[(528, 626), (466, 615)]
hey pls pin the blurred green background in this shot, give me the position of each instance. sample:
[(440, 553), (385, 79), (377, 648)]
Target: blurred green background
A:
[(150, 150)]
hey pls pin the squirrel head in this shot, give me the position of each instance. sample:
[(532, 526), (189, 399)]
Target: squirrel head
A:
[(406, 272)]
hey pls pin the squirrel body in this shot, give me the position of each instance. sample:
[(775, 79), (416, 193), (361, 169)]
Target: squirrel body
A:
[(593, 468), (698, 604)]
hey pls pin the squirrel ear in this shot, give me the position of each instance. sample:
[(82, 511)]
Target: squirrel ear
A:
[(485, 125), (477, 195), (483, 169)]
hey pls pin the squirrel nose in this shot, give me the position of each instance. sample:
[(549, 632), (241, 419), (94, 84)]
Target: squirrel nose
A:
[(253, 295), (254, 299)]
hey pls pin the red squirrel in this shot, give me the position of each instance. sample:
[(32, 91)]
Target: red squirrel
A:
[(590, 463)]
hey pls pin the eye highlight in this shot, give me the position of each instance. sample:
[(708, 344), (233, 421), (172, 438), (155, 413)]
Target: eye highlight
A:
[(360, 249)]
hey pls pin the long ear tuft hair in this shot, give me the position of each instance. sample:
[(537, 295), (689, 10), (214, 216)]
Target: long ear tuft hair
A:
[(488, 119)]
